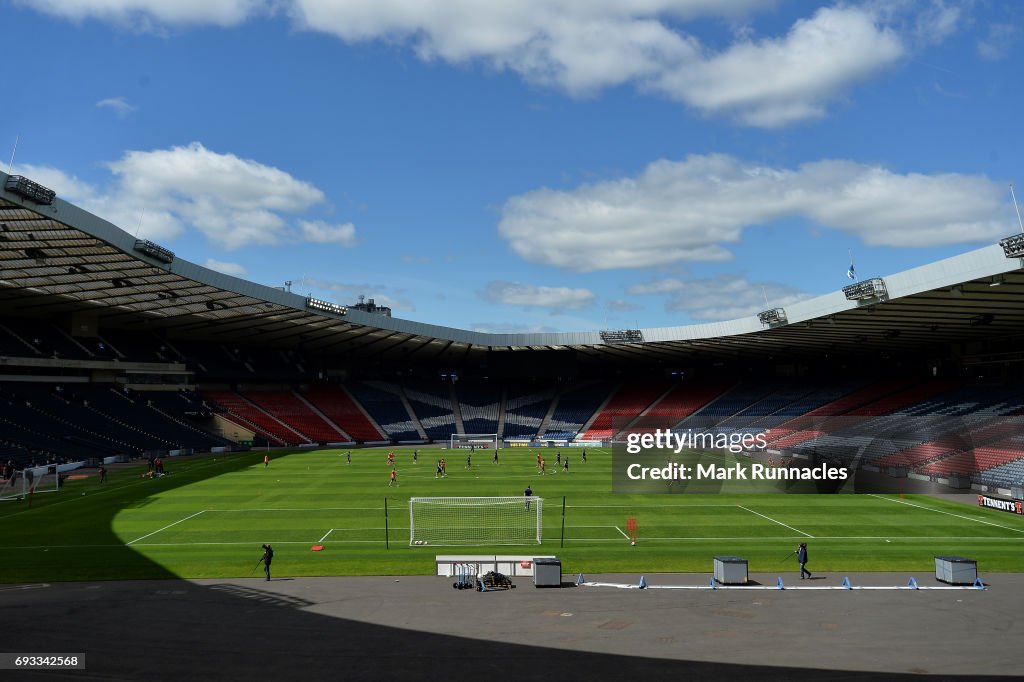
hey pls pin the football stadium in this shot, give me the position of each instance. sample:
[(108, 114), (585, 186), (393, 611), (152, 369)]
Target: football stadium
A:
[(511, 340), (164, 422)]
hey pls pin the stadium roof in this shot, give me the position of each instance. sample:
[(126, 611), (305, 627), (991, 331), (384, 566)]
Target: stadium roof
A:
[(57, 259)]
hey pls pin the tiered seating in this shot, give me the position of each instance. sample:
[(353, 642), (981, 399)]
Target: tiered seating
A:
[(685, 399), (135, 420), (575, 407), (810, 425), (216, 363), (733, 401), (432, 404), (525, 409), (289, 408), (973, 461), (382, 401), (628, 401), (479, 404), (274, 365), (14, 346), (776, 401), (339, 407), (961, 436), (901, 399), (46, 339), (1010, 472), (47, 419), (186, 410), (247, 415), (138, 347), (888, 429)]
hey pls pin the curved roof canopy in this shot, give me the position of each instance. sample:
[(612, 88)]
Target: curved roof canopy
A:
[(56, 258)]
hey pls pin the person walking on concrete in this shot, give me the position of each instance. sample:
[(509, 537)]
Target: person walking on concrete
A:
[(801, 557), (268, 556)]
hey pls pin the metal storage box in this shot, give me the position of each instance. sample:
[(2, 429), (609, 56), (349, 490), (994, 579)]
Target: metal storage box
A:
[(547, 572), (730, 570), (956, 570)]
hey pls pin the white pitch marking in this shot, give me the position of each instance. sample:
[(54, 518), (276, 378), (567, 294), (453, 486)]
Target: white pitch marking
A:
[(325, 535), (166, 527), (939, 511), (623, 534), (797, 530)]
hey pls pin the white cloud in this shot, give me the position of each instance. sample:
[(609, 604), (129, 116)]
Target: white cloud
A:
[(582, 47), (320, 232), (234, 202), (118, 104), (998, 43), (621, 305), (556, 298), (775, 82), (153, 14), (234, 269), (691, 210), (719, 298), (588, 46)]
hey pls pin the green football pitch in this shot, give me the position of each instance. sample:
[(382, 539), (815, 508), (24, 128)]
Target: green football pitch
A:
[(208, 517)]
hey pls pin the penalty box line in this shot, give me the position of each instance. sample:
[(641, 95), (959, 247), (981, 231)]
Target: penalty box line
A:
[(190, 516), (795, 530)]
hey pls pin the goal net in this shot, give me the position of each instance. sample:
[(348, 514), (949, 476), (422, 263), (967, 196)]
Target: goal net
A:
[(453, 521), (37, 480), (474, 441)]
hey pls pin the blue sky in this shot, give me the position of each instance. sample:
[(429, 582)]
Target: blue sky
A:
[(519, 165)]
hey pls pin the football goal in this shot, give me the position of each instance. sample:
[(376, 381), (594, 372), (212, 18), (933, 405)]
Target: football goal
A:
[(475, 441), (475, 521), (37, 480)]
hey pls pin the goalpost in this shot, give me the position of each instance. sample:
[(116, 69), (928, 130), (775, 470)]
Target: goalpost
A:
[(38, 480), (477, 441), (467, 521)]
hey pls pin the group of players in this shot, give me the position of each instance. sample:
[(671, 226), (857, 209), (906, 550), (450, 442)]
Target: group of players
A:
[(442, 464), (559, 460)]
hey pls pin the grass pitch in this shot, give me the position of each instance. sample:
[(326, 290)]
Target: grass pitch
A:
[(209, 516)]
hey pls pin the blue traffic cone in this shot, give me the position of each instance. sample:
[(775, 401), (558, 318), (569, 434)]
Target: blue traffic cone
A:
[(912, 584), (580, 580), (643, 583)]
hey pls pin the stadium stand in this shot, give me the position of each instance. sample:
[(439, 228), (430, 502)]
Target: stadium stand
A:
[(289, 408), (432, 404), (382, 401), (336, 403), (576, 405), (525, 408), (626, 403), (479, 404), (686, 398), (248, 415)]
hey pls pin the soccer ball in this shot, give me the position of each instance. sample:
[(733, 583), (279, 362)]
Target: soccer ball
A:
[(632, 542)]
